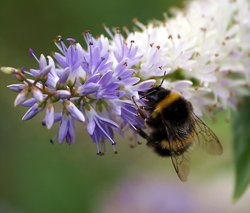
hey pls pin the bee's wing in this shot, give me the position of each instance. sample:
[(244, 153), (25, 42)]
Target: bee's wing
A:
[(181, 161), (181, 165), (206, 138)]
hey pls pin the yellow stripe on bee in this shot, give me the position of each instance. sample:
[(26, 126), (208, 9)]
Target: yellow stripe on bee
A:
[(169, 99), (177, 145)]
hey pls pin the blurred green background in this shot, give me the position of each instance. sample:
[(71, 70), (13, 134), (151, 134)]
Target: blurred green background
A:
[(36, 176)]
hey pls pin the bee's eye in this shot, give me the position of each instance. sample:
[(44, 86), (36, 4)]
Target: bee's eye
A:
[(161, 94)]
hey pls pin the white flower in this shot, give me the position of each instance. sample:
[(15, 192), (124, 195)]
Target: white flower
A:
[(209, 47)]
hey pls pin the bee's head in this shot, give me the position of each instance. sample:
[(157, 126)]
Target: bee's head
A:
[(154, 95)]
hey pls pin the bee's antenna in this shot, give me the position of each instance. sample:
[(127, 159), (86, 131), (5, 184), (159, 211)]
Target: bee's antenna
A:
[(163, 79), (133, 98)]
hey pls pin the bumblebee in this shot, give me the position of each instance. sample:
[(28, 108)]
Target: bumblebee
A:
[(172, 128)]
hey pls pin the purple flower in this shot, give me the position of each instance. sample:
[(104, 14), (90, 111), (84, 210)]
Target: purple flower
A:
[(67, 130), (63, 94), (70, 60), (29, 102), (16, 87), (97, 55), (74, 111), (93, 86), (124, 52), (33, 111), (21, 97), (44, 68), (50, 116), (37, 94), (71, 57), (100, 128)]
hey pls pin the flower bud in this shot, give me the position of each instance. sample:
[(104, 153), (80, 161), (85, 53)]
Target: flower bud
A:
[(49, 118), (21, 97), (37, 94), (8, 70), (63, 93), (74, 111)]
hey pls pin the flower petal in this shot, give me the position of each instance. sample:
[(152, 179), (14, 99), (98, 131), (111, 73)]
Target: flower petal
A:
[(74, 111), (49, 117), (21, 97), (37, 94), (33, 111), (63, 130)]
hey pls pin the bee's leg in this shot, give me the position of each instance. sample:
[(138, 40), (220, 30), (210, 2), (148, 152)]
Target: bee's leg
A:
[(147, 108), (140, 109), (142, 133)]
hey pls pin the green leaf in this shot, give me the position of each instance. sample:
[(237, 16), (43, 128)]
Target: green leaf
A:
[(241, 147)]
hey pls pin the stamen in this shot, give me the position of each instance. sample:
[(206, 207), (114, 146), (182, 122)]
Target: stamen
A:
[(88, 38), (60, 44), (117, 30), (131, 45), (52, 140), (114, 149), (131, 142), (32, 54), (98, 65), (122, 44), (98, 150), (108, 31), (138, 23), (103, 148), (126, 30)]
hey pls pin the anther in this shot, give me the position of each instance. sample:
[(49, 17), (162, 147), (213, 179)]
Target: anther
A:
[(58, 38), (99, 153), (203, 29), (71, 40), (131, 45), (22, 70), (117, 30), (32, 54), (135, 20)]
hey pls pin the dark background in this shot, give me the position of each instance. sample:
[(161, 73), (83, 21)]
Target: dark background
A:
[(36, 176)]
